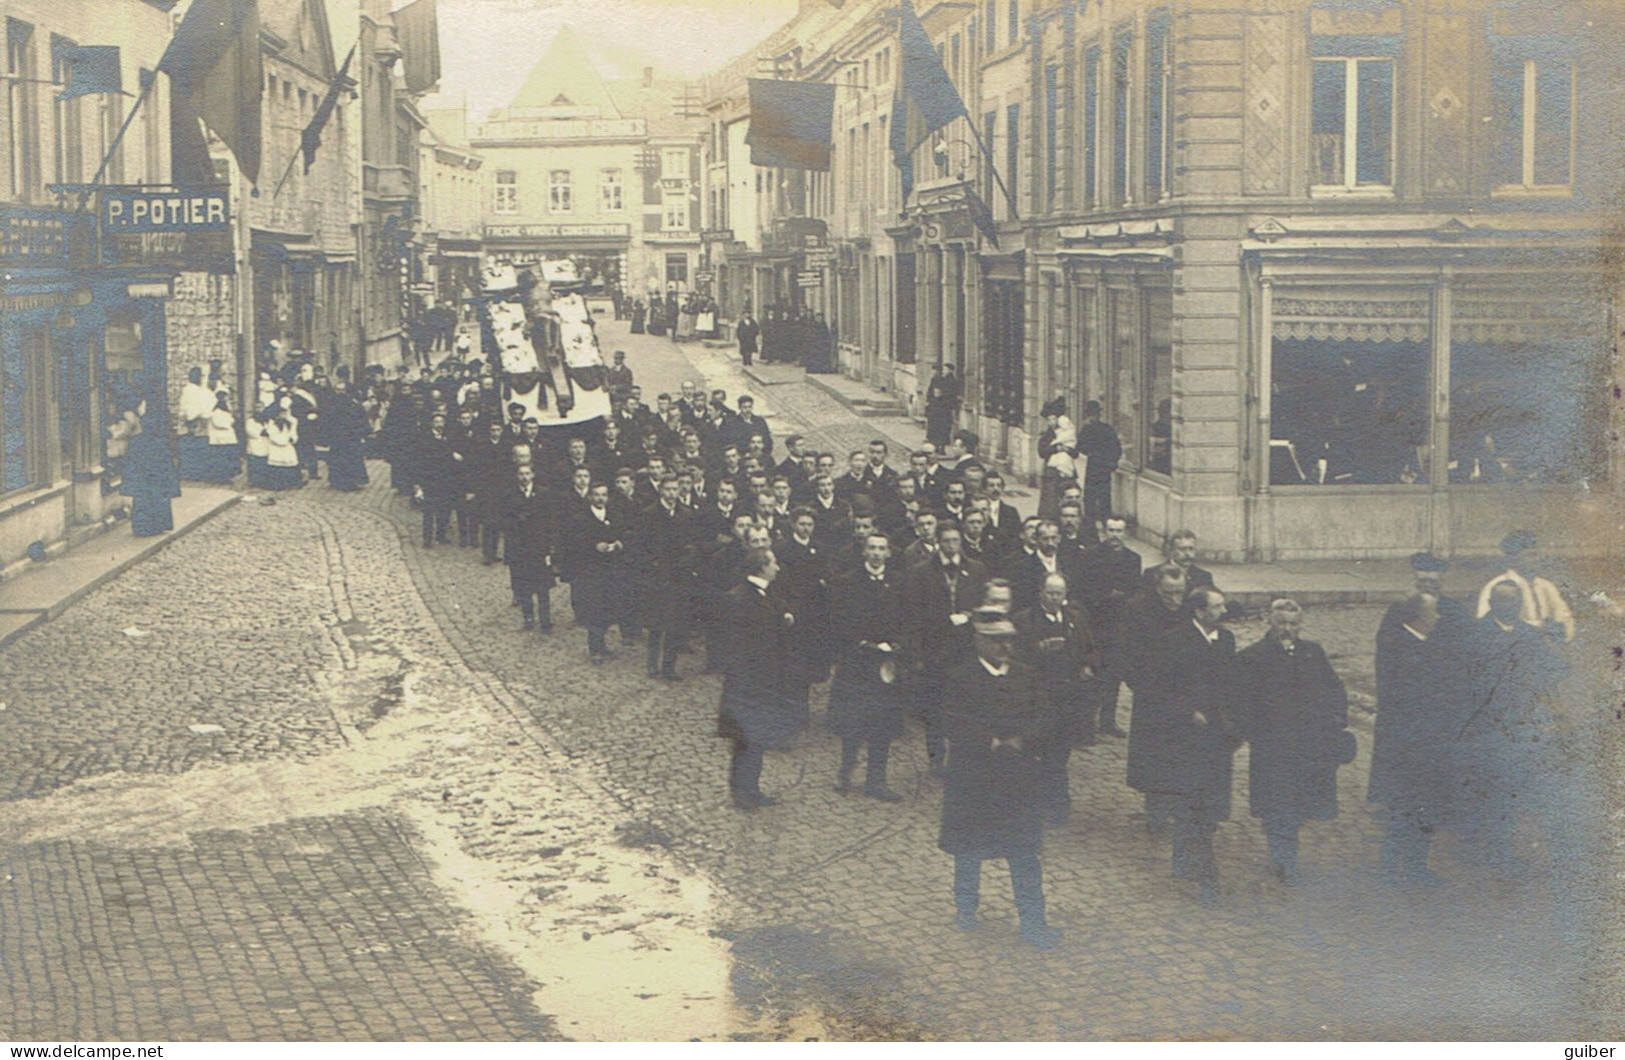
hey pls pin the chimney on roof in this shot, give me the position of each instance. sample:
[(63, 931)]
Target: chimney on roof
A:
[(648, 76)]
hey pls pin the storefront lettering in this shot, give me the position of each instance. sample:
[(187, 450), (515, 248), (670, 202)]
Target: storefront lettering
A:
[(165, 211)]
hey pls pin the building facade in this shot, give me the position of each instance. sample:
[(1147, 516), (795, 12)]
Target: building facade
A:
[(302, 267), (452, 194), (1337, 272), (605, 172), (82, 323), (392, 256)]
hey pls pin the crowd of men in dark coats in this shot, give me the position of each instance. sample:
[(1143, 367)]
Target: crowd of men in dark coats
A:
[(921, 592)]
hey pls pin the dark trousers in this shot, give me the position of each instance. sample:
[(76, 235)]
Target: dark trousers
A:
[(745, 355), (1193, 842), (595, 640), (490, 534), (1160, 809), (928, 694), (1026, 880), (1102, 707), (532, 589), (663, 645), (879, 755), (307, 457), (1281, 833), (1097, 500), (1406, 840), (745, 768), (467, 530), (1057, 792), (436, 519)]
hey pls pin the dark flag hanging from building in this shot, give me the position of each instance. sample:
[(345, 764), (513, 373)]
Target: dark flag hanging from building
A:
[(925, 99), (417, 27), (214, 65), (92, 69), (311, 139), (791, 123)]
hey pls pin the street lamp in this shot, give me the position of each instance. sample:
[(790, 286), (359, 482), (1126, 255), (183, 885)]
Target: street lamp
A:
[(941, 154)]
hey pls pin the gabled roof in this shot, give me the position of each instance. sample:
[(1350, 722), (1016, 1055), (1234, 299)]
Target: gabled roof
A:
[(566, 77), (302, 27)]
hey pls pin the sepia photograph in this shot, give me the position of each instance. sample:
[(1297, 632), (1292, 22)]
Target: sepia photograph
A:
[(768, 521)]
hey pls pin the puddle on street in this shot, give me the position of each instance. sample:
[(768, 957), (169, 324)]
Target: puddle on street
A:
[(621, 942)]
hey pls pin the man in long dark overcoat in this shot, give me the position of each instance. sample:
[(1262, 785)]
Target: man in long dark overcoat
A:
[(527, 521), (598, 571), (942, 399), (663, 554), (1057, 640), (1423, 664), (1183, 735), (491, 474), (755, 711), (1293, 710), (1507, 758), (438, 472), (1142, 621), (804, 580), (939, 595), (993, 799), (865, 709)]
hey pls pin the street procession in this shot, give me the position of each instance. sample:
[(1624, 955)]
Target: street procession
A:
[(945, 521)]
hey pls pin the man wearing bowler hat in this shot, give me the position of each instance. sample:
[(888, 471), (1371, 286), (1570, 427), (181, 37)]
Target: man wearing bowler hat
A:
[(993, 801)]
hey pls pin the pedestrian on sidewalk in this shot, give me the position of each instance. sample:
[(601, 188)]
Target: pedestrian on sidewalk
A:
[(282, 456), (1101, 449), (225, 457), (258, 449), (347, 426), (942, 399), (749, 333), (1058, 449), (150, 479)]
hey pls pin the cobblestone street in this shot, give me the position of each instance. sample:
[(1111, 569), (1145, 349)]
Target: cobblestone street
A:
[(295, 778)]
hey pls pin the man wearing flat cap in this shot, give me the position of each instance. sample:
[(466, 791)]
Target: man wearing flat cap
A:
[(993, 800)]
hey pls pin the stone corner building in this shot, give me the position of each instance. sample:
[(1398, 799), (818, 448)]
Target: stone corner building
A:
[(1336, 270)]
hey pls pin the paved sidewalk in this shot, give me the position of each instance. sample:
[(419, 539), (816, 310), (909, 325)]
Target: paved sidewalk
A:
[(45, 590), (833, 407)]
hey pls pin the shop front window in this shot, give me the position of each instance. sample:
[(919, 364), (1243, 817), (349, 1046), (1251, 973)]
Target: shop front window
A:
[(1158, 311), (1349, 391), (1123, 402), (1004, 369), (1528, 400)]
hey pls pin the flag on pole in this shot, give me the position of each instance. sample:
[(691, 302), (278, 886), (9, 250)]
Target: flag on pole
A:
[(417, 27), (311, 139), (91, 69), (925, 99), (791, 124), (214, 63)]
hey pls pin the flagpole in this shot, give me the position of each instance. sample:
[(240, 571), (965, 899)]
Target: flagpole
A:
[(286, 173), (146, 90), (338, 78), (993, 168)]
